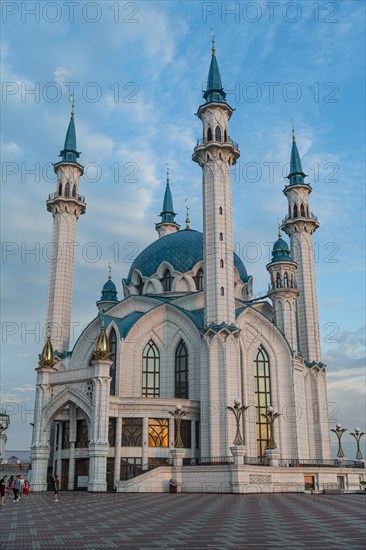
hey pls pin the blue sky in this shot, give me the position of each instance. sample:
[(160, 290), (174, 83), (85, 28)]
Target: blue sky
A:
[(138, 72)]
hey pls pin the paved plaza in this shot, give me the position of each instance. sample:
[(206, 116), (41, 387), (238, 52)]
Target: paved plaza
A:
[(150, 521)]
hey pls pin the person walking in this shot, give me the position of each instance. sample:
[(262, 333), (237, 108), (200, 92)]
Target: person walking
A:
[(16, 488), (2, 490), (56, 486)]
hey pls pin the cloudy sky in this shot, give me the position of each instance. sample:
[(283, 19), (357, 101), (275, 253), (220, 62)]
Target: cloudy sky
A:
[(137, 70)]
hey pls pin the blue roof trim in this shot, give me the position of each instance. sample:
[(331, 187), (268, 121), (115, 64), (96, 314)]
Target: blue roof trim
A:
[(183, 250), (124, 325), (315, 364)]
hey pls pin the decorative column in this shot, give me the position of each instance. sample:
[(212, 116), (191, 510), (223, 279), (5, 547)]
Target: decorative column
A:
[(72, 441), (118, 450), (99, 444), (4, 424), (145, 443), (40, 447), (59, 445)]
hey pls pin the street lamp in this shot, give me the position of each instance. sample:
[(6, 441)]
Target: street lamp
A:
[(357, 435), (237, 411), (339, 431), (178, 414), (271, 416)]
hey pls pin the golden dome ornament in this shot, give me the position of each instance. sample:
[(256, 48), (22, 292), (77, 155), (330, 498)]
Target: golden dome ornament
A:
[(46, 359), (102, 346)]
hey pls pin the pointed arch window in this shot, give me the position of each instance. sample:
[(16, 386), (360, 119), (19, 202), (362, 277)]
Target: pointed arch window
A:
[(221, 236), (167, 280), (67, 190), (220, 210), (285, 279), (74, 191), (221, 263), (292, 280), (222, 291), (209, 134), (278, 281), (217, 133), (198, 279), (151, 371), (302, 210), (181, 371), (262, 391), (112, 340), (60, 190), (295, 210)]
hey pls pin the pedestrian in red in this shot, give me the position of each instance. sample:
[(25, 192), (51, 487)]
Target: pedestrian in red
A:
[(10, 486), (2, 490), (26, 489)]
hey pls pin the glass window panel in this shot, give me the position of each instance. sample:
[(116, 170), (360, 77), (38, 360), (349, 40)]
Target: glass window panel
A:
[(262, 396), (158, 432), (131, 432), (150, 371)]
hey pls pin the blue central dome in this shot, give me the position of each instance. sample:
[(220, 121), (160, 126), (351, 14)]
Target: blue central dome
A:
[(182, 250)]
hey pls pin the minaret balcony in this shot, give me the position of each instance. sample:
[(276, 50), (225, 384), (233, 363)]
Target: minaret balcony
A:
[(53, 196), (290, 219), (205, 141), (56, 198)]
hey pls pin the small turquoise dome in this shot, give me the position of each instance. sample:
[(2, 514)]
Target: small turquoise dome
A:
[(281, 251), (109, 292), (182, 249)]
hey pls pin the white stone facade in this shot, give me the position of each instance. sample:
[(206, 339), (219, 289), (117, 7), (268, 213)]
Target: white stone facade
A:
[(188, 333)]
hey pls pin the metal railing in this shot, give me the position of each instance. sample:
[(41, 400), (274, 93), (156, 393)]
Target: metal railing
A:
[(299, 463), (208, 461), (288, 217), (203, 141), (52, 196), (256, 461)]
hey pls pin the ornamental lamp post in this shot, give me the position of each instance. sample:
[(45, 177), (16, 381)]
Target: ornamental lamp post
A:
[(178, 414), (271, 416), (238, 411), (339, 431), (357, 435)]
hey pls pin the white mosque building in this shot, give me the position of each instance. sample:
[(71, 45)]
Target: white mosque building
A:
[(143, 396)]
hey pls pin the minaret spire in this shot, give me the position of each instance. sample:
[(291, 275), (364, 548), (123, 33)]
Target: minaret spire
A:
[(168, 223), (214, 90), (188, 221), (69, 152), (213, 42)]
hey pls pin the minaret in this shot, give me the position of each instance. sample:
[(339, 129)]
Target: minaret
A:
[(66, 206), (168, 223), (299, 225), (216, 153), (283, 289)]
